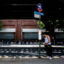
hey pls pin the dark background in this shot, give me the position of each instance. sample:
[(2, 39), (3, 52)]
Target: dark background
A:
[(53, 9)]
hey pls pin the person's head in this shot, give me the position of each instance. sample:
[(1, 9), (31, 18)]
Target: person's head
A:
[(44, 35)]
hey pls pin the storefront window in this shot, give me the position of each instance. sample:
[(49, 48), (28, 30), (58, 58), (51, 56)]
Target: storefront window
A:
[(30, 35), (59, 35), (7, 35)]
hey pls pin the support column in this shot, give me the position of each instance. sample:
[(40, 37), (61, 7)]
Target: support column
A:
[(19, 30), (16, 30)]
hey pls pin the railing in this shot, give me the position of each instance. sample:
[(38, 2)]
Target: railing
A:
[(29, 50), (29, 46)]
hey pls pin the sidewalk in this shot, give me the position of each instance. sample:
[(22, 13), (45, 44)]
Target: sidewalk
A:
[(31, 60)]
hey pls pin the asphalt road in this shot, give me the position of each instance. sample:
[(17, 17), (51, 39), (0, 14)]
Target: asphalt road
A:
[(33, 60)]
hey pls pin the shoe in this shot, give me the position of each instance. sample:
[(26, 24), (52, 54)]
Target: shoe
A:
[(50, 58)]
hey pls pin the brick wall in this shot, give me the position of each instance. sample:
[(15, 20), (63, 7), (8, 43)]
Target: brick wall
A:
[(19, 24)]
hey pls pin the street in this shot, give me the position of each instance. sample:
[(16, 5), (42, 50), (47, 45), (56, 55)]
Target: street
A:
[(32, 60)]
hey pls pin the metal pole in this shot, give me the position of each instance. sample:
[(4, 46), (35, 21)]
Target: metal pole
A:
[(39, 40)]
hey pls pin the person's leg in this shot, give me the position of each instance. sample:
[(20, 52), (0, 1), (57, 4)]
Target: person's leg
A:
[(49, 52), (46, 49)]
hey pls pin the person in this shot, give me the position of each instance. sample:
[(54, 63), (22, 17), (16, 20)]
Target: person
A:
[(47, 44)]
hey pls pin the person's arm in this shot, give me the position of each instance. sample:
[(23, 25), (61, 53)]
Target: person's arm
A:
[(45, 43), (49, 40)]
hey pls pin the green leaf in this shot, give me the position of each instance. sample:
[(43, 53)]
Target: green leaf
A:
[(0, 25), (57, 20), (41, 24)]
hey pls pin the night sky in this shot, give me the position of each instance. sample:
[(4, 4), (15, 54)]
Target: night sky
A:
[(24, 9)]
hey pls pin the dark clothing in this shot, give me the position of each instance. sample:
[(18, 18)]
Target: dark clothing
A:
[(48, 49)]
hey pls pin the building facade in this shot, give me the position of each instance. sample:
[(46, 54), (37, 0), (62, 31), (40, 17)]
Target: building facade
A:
[(19, 29)]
